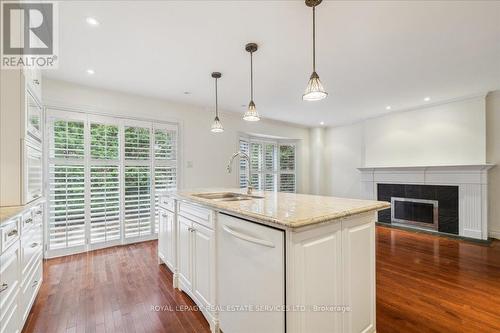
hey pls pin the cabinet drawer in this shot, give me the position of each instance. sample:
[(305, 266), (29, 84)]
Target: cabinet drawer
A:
[(10, 322), (196, 213), (30, 289), (167, 203), (9, 233), (26, 220), (31, 248), (37, 212), (9, 280)]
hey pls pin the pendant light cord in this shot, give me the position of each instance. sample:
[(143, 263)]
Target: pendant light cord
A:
[(251, 76), (216, 99), (314, 39)]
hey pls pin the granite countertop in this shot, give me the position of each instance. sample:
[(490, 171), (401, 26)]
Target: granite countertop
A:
[(286, 209), (6, 213)]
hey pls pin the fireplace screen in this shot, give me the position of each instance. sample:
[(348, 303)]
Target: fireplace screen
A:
[(416, 212)]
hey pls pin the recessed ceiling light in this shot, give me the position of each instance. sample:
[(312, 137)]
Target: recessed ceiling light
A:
[(90, 71), (388, 107), (322, 123), (427, 99), (92, 21)]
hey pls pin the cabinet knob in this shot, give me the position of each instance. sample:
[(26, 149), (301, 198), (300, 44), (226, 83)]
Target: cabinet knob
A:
[(12, 233), (34, 283), (39, 212), (4, 287), (28, 221), (34, 245), (35, 81)]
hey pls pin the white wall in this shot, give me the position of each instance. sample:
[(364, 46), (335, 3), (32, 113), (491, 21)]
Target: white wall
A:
[(317, 162), (344, 153), (452, 133), (208, 152), (493, 156)]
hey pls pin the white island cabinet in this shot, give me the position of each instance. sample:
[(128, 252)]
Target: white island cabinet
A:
[(277, 262)]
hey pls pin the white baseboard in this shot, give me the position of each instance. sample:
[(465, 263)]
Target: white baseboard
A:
[(494, 234)]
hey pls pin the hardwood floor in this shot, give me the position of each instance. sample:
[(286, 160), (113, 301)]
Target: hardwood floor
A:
[(111, 290), (430, 284), (424, 284)]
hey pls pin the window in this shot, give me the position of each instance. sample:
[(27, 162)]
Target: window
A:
[(66, 184), (104, 177), (272, 164), (165, 153)]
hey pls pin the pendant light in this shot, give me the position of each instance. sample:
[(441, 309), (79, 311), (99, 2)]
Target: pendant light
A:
[(314, 90), (251, 114), (216, 125)]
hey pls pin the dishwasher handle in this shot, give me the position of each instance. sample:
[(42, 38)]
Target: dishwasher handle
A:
[(247, 237)]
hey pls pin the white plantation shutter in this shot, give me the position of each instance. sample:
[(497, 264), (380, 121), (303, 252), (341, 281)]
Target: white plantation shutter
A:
[(137, 181), (165, 153), (66, 184), (66, 206), (272, 165), (104, 204), (137, 143), (137, 201), (245, 148), (103, 174), (287, 168)]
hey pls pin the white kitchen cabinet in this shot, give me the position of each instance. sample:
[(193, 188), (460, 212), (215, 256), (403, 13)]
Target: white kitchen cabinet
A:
[(203, 263), (9, 289), (323, 274), (251, 271), (358, 267), (21, 136), (21, 255), (196, 258), (315, 281), (166, 238), (184, 253)]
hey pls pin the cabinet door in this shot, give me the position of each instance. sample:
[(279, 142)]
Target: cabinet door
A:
[(162, 236), (184, 248), (317, 272), (33, 119), (203, 263), (33, 164), (170, 240), (358, 253)]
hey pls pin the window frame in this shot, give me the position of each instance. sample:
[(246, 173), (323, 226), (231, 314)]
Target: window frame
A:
[(277, 143), (88, 118)]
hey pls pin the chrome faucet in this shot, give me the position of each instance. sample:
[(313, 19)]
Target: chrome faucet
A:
[(230, 168)]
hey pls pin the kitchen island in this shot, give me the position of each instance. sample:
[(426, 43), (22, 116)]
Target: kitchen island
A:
[(272, 262)]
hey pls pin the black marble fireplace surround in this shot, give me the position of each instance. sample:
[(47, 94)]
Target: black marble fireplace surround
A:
[(447, 197)]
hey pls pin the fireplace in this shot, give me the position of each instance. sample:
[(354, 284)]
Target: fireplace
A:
[(460, 190), (419, 213), (430, 207)]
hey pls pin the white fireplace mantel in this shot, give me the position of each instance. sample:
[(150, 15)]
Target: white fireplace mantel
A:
[(472, 182)]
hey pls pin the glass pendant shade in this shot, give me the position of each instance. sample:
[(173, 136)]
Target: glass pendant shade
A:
[(217, 126), (314, 90), (251, 114)]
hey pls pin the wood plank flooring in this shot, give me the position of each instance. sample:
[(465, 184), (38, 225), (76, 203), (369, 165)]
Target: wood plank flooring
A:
[(111, 290), (424, 284)]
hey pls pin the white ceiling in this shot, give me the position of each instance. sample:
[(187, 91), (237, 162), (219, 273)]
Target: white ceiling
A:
[(369, 54)]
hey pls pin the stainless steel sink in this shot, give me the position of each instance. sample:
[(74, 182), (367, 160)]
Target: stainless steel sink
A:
[(227, 196)]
